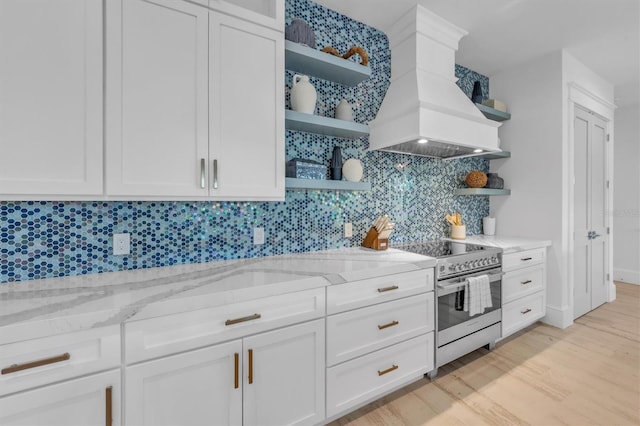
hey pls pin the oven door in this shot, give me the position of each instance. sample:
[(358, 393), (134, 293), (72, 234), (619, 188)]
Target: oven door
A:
[(451, 312)]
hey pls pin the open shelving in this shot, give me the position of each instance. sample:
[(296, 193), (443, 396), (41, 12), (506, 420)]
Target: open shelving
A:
[(324, 125), (327, 185), (481, 191), (493, 114)]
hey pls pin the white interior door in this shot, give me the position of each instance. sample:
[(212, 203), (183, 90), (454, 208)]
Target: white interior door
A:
[(590, 218)]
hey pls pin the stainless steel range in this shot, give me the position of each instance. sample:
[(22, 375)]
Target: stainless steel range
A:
[(459, 332)]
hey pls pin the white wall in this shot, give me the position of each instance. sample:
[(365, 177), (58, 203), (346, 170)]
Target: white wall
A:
[(626, 203), (538, 172)]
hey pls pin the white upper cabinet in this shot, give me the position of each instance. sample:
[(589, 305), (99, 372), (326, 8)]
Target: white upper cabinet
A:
[(157, 85), (195, 102), (50, 98), (246, 122)]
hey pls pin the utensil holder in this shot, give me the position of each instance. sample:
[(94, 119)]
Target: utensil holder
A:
[(458, 232), (372, 240)]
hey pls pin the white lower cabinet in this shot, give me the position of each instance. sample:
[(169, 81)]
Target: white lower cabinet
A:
[(523, 289), (88, 401), (273, 378)]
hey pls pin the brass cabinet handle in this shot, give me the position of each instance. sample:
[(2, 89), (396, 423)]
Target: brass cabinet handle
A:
[(236, 370), (383, 289), (203, 180), (215, 174), (524, 259), (526, 311), (391, 324), (19, 367), (525, 282), (250, 366), (388, 370), (108, 420), (243, 319)]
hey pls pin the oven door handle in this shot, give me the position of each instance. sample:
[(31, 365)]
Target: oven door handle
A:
[(492, 277)]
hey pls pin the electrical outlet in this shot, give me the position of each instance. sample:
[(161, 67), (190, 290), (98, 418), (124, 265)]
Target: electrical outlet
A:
[(258, 236), (348, 230), (121, 244)]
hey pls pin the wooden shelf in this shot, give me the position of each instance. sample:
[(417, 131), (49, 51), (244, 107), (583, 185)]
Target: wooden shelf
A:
[(495, 155), (493, 114), (324, 125), (327, 185), (303, 59), (481, 191)]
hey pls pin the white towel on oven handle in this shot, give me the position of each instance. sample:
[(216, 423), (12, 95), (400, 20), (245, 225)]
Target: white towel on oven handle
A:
[(477, 295)]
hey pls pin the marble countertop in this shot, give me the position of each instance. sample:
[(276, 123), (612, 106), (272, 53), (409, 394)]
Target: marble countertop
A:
[(507, 244), (39, 308)]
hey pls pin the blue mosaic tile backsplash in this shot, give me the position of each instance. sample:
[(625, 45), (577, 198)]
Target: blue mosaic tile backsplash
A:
[(53, 239)]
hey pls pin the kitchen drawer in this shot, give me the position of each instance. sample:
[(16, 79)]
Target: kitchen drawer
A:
[(371, 376), (38, 362), (357, 294), (522, 312), (521, 282), (354, 333), (166, 335), (523, 259)]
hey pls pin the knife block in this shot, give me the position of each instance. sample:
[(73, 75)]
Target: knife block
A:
[(373, 241)]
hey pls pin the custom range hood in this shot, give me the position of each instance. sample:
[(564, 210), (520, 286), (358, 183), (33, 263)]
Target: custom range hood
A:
[(424, 112)]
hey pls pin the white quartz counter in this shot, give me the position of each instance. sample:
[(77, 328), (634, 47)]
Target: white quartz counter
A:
[(507, 244), (39, 308)]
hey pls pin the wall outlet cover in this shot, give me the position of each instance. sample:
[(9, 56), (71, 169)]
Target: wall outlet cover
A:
[(348, 230), (258, 236), (121, 244)]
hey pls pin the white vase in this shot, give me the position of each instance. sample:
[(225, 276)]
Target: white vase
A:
[(352, 170), (303, 94), (344, 111)]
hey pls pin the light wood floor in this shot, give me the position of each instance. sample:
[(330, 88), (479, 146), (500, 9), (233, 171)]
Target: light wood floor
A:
[(588, 373)]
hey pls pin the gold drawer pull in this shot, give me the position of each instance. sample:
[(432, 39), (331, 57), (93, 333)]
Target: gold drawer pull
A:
[(250, 351), (388, 370), (19, 367), (382, 290), (391, 324), (243, 319), (524, 259), (526, 311), (108, 420), (236, 370), (525, 282)]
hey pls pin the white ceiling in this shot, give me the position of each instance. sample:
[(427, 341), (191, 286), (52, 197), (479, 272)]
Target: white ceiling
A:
[(602, 34)]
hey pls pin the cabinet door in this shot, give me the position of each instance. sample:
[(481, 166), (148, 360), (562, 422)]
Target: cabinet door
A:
[(93, 400), (157, 142), (50, 97), (246, 122), (284, 376), (201, 387)]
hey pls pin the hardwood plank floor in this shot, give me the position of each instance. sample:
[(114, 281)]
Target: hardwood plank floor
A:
[(587, 374)]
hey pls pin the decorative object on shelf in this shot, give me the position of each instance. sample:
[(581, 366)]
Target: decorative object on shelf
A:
[(303, 94), (378, 236), (300, 32), (305, 169), (344, 111), (489, 225), (336, 164), (476, 95), (364, 58), (495, 104), (352, 170), (476, 179), (458, 229), (494, 181)]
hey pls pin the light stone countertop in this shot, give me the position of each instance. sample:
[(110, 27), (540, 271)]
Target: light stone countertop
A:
[(39, 308), (507, 244)]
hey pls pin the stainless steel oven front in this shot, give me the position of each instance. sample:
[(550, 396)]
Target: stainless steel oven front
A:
[(458, 332)]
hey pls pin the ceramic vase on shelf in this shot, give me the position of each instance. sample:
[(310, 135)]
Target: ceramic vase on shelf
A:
[(336, 164), (352, 170), (303, 94), (476, 95), (494, 181), (344, 111)]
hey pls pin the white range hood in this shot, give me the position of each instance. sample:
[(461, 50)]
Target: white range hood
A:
[(423, 102)]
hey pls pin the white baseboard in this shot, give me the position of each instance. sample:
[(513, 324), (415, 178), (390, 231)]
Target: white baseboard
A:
[(626, 276), (558, 317)]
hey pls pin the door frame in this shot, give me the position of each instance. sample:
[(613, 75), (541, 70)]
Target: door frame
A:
[(581, 97)]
